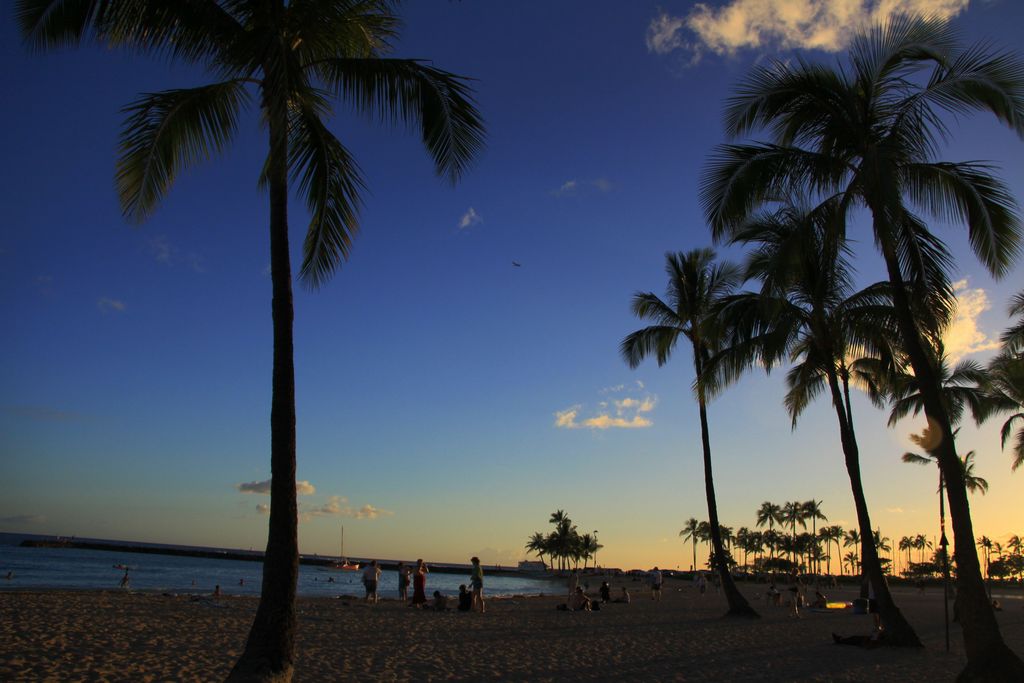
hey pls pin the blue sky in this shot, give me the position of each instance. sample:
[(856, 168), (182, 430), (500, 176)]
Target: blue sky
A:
[(432, 374)]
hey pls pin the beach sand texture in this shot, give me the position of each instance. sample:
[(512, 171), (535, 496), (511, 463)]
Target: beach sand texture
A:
[(120, 636)]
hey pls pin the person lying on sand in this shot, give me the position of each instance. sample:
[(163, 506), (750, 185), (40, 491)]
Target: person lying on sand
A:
[(868, 642)]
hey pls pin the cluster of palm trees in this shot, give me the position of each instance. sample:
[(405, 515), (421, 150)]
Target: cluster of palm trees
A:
[(864, 135), (1003, 560), (564, 544), (810, 551)]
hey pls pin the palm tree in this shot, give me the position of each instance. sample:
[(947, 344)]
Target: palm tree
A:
[(853, 562), (868, 135), (695, 284), (743, 541), (812, 511), (829, 535), (853, 538), (296, 56), (985, 543), (793, 514), (906, 543), (691, 533), (881, 542), (537, 544), (1006, 381), (769, 513), (804, 312)]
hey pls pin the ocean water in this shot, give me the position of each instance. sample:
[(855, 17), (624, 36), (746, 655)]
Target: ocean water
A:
[(73, 568)]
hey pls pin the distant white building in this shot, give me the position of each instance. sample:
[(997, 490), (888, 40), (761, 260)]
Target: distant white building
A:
[(532, 566)]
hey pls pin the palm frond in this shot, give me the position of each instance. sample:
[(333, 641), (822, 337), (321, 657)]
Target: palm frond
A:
[(657, 340), (737, 178), (190, 30), (915, 459), (167, 131), (972, 194), (438, 102), (328, 177), (1013, 337)]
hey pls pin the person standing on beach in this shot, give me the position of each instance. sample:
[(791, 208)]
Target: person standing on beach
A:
[(419, 584), (124, 579), (656, 580), (370, 577), (476, 580), (574, 581), (403, 582)]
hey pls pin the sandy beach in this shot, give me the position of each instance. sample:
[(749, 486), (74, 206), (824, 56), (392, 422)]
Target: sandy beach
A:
[(119, 636)]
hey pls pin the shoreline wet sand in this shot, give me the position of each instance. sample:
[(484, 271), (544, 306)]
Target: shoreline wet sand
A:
[(124, 636)]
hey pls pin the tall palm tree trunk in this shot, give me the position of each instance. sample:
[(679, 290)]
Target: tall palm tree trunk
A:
[(898, 630), (269, 653), (738, 605), (988, 657)]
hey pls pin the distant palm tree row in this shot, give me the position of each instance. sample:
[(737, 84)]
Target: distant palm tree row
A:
[(1003, 560), (837, 139), (565, 544)]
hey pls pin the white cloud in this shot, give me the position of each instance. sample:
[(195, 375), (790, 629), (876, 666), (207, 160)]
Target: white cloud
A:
[(469, 219), (663, 33), (574, 187), (788, 24), (629, 414), (338, 506), (107, 305), (963, 337), (303, 488), (895, 511), (161, 249)]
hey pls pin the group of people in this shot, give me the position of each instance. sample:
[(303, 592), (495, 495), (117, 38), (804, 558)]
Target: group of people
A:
[(579, 601), (472, 599)]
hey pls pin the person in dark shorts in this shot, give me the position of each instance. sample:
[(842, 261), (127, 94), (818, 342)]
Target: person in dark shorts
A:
[(371, 575), (403, 581)]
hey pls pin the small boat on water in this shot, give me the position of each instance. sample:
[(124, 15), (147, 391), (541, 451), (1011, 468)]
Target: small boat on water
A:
[(344, 565)]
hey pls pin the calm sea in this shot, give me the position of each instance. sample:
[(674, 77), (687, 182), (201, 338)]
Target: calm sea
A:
[(95, 569)]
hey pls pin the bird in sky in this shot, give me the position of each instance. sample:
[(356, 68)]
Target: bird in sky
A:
[(517, 264)]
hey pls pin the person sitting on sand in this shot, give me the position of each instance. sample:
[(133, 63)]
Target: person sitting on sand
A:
[(440, 602), (579, 601), (606, 592), (820, 601), (370, 577), (624, 598), (465, 599)]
